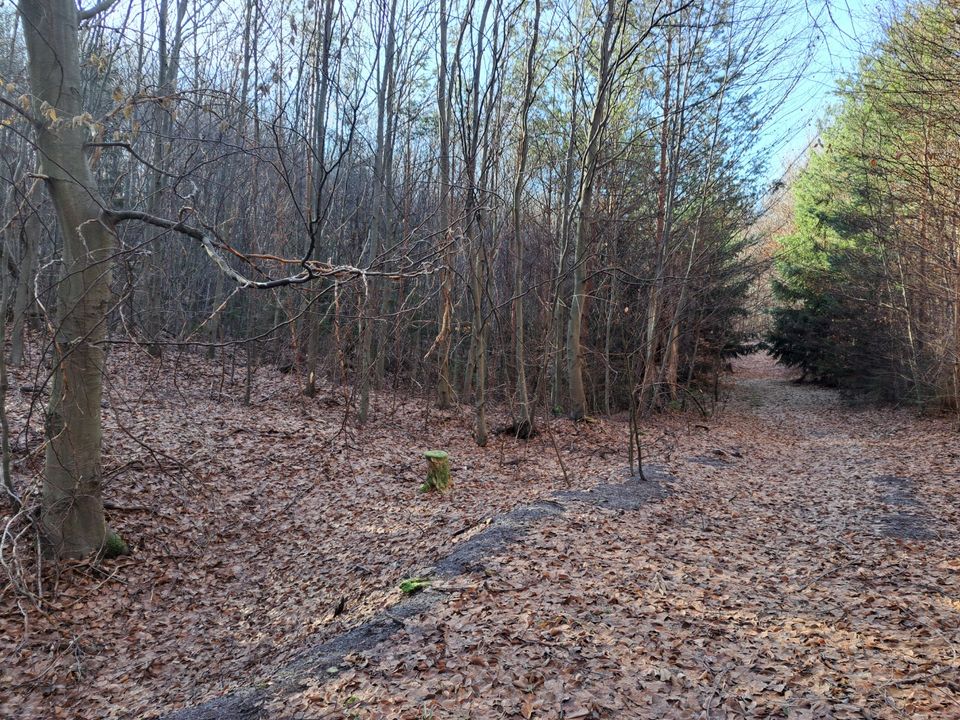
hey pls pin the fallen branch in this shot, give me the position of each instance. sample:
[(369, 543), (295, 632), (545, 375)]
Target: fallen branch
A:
[(553, 441)]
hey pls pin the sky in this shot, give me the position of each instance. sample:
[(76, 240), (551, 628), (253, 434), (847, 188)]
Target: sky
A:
[(839, 33), (827, 38)]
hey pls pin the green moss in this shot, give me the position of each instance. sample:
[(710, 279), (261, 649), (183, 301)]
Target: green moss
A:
[(438, 471), (413, 585), (114, 545)]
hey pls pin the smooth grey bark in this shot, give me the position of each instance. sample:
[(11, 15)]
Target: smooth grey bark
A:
[(72, 516)]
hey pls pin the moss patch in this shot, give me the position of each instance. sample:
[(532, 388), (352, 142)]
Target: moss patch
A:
[(438, 471), (114, 545), (413, 585)]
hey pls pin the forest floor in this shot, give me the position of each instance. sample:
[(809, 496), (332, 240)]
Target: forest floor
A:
[(791, 556)]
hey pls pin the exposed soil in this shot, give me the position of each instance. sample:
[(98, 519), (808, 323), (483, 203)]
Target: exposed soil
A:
[(469, 555)]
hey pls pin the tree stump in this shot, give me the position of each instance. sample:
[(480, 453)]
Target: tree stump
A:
[(438, 471)]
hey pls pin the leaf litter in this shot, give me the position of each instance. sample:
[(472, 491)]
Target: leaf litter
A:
[(771, 584)]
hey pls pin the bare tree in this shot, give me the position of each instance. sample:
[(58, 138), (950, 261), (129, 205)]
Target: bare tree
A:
[(524, 425), (72, 515)]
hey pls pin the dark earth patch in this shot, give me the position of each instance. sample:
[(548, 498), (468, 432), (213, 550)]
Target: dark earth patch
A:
[(241, 705), (903, 524), (504, 530), (629, 495), (467, 556)]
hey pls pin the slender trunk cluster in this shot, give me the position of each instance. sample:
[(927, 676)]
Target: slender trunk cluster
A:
[(503, 204)]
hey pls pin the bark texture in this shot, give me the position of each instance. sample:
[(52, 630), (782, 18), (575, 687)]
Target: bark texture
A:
[(72, 509)]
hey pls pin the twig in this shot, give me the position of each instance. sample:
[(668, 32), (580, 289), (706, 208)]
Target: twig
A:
[(822, 575), (920, 677), (553, 441), (482, 523)]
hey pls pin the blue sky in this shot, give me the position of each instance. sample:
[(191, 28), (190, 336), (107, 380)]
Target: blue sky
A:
[(837, 33)]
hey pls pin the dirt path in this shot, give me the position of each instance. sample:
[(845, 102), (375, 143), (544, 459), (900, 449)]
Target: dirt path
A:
[(804, 564)]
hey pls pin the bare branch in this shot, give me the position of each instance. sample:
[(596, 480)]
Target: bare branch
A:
[(100, 7)]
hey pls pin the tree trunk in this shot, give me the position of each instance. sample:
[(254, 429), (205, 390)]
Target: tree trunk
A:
[(378, 221), (607, 339), (649, 390), (317, 193), (578, 398), (153, 318), (444, 336), (23, 300), (475, 137), (565, 215), (671, 364), (8, 485), (523, 426), (72, 506), (311, 320)]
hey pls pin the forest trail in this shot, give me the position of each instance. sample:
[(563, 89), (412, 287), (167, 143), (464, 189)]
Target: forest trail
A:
[(802, 562), (810, 570), (259, 259)]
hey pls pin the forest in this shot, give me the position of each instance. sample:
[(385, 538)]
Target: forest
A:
[(869, 281), (479, 359)]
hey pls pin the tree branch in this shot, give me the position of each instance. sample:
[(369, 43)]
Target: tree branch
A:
[(100, 7), (312, 269)]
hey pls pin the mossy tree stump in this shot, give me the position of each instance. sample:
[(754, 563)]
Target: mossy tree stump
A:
[(438, 471)]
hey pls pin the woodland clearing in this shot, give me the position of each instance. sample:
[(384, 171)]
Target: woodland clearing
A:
[(801, 561)]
